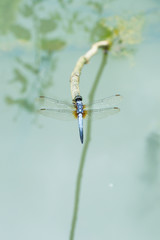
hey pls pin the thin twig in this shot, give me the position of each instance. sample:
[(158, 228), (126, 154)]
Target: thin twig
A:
[(75, 76)]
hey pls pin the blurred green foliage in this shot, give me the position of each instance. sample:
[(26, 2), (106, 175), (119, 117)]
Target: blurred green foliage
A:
[(52, 45), (8, 14), (21, 102), (19, 77), (123, 33), (30, 75), (27, 10), (45, 31), (21, 32), (96, 5), (47, 25), (27, 66)]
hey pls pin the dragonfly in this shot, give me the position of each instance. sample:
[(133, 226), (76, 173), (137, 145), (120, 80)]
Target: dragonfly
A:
[(61, 110)]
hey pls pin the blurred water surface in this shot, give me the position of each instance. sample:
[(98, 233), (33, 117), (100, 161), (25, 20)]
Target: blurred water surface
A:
[(40, 42)]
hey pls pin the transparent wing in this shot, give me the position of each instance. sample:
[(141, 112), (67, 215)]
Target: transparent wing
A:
[(101, 113), (105, 102), (60, 114), (64, 111), (54, 108), (49, 103)]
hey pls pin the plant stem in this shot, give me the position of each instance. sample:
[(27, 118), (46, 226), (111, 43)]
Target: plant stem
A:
[(75, 76), (85, 149)]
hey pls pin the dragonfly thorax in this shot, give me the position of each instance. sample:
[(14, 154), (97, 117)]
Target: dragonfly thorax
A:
[(79, 106)]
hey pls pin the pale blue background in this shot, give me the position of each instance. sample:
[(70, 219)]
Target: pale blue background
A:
[(39, 157)]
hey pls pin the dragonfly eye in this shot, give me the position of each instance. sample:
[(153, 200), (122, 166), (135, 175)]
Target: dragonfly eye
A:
[(78, 98)]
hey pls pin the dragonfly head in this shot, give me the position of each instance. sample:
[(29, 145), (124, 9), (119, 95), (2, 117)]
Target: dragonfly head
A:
[(77, 99)]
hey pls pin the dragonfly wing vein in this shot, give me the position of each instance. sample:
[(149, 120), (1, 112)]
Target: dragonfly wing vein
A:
[(105, 102), (60, 114), (47, 102), (102, 113)]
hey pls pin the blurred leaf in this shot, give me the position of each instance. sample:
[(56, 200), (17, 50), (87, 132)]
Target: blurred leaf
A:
[(28, 66), (123, 33), (21, 32), (47, 25), (64, 3), (127, 33), (53, 65), (129, 30), (19, 77), (72, 21), (52, 44), (56, 16), (101, 31), (27, 10), (98, 6), (21, 102), (8, 13), (48, 83), (35, 2)]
